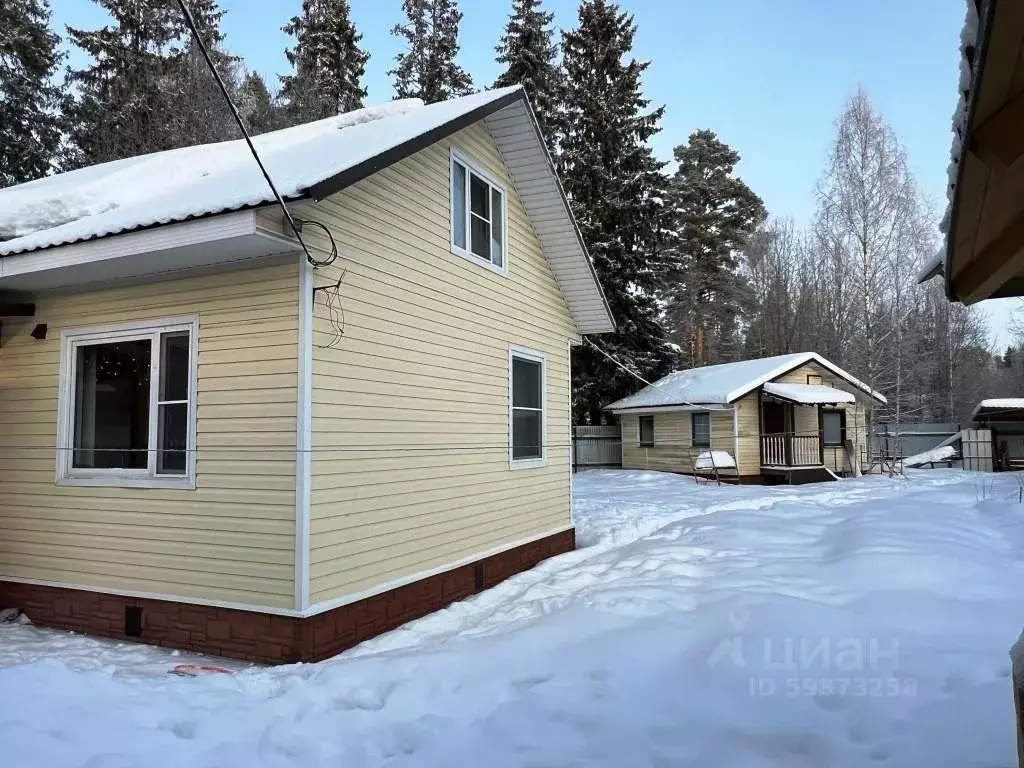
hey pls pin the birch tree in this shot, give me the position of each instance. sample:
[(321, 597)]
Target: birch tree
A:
[(868, 225)]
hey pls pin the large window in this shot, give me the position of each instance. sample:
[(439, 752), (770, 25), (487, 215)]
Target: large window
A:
[(646, 429), (478, 215), (700, 430), (833, 427), (526, 408), (128, 405)]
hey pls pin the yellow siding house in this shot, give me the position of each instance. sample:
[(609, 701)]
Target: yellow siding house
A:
[(790, 418), (220, 435)]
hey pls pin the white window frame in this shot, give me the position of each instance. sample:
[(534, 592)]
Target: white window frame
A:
[(532, 355), (466, 253), (71, 340), (693, 433), (640, 431)]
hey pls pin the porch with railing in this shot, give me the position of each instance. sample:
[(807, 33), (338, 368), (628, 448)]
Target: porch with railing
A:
[(791, 450)]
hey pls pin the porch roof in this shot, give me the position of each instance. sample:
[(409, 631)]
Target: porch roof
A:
[(809, 394)]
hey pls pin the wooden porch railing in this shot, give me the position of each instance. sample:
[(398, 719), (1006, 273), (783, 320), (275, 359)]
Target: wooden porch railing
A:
[(786, 450)]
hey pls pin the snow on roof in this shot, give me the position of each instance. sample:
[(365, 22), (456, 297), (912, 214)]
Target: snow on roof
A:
[(194, 181), (969, 44), (933, 267), (722, 384), (999, 404), (809, 394)]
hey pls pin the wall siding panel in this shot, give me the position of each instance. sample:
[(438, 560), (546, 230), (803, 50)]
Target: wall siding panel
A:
[(232, 538), (410, 405)]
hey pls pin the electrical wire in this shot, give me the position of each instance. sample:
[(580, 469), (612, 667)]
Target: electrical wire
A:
[(330, 236), (191, 22)]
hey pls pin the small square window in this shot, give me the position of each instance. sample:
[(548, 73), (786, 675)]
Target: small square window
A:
[(813, 379), (646, 430), (127, 407), (700, 428), (478, 215)]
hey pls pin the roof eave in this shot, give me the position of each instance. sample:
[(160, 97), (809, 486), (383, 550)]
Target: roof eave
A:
[(980, 56)]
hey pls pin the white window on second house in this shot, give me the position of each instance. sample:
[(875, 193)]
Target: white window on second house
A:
[(128, 405), (833, 427), (479, 220), (527, 417), (646, 430), (700, 430)]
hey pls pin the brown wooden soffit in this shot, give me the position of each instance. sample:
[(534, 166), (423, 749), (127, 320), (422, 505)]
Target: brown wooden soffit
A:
[(995, 265)]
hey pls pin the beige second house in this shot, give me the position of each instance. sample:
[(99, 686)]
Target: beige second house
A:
[(791, 418), (209, 440)]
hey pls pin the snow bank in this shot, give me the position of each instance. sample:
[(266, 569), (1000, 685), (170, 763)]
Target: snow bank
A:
[(945, 453), (842, 624)]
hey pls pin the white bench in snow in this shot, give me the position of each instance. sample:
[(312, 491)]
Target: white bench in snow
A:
[(709, 464)]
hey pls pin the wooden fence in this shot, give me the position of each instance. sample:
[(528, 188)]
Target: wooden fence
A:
[(596, 447), (977, 453)]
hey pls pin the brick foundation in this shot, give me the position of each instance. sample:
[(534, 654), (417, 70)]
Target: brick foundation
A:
[(264, 637)]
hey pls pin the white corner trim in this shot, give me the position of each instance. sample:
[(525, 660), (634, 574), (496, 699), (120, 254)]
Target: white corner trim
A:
[(572, 444), (303, 433), (736, 436), (525, 353), (271, 609), (354, 597)]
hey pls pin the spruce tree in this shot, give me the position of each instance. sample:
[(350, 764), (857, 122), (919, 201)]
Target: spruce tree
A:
[(530, 55), (427, 68), (616, 189), (119, 100), (29, 100), (147, 88), (328, 64), (705, 293), (256, 106), (193, 103)]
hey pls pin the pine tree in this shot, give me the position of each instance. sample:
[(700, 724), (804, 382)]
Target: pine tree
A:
[(327, 61), (704, 290), (530, 55), (427, 68), (616, 189), (256, 106), (29, 57)]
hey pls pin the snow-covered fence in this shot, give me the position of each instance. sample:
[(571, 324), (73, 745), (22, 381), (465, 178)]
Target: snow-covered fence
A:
[(596, 447), (901, 440), (977, 449)]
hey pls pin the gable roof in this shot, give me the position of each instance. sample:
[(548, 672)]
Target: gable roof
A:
[(726, 383), (307, 162)]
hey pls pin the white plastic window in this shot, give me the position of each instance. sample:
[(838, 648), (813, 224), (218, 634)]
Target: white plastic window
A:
[(479, 215), (128, 405)]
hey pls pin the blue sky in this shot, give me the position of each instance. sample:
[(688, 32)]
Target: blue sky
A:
[(769, 76)]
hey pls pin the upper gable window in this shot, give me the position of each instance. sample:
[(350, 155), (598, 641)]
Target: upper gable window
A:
[(478, 215)]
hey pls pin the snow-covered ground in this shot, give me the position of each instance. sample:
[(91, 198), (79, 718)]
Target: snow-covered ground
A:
[(849, 623)]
